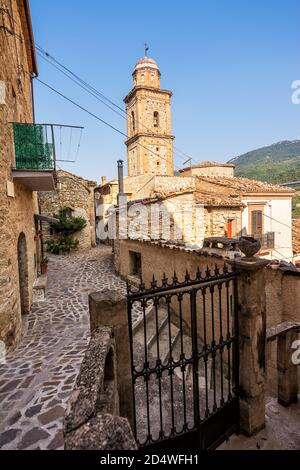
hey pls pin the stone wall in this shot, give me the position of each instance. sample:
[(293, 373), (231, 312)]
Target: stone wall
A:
[(216, 219), (77, 194), (172, 184), (209, 170), (283, 297), (139, 187), (92, 420), (17, 203)]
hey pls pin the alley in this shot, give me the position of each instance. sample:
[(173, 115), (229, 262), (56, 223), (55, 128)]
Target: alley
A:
[(38, 377)]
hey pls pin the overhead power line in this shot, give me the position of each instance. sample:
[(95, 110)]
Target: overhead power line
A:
[(97, 117), (89, 88), (100, 96)]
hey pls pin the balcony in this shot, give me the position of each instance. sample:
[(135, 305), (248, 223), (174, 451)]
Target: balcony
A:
[(267, 240), (34, 156)]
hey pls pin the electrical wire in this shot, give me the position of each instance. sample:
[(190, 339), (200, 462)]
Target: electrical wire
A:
[(48, 57), (98, 118), (97, 95)]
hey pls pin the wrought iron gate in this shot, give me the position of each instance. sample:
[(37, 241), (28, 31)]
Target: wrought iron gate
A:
[(184, 353)]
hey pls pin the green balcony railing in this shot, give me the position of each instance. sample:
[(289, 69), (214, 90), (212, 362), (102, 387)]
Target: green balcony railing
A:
[(34, 147)]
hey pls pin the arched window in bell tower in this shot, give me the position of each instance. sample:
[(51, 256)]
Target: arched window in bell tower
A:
[(155, 119), (132, 121)]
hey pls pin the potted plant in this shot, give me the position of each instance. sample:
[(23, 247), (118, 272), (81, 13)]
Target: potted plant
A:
[(44, 265)]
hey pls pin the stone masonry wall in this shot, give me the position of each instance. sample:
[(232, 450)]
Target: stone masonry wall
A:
[(214, 170), (283, 305), (18, 208), (76, 194), (216, 219), (283, 297)]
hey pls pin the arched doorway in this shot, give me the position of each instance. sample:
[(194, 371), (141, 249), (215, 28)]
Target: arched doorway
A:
[(23, 274)]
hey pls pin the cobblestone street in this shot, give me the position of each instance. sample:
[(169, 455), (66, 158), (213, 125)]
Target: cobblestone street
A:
[(38, 377)]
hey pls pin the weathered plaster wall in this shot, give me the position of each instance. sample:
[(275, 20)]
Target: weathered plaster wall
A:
[(277, 219)]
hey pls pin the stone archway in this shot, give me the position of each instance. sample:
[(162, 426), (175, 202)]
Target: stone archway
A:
[(23, 274)]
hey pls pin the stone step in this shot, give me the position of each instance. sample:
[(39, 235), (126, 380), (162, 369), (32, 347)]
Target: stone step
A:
[(138, 329), (162, 318), (176, 353), (164, 342)]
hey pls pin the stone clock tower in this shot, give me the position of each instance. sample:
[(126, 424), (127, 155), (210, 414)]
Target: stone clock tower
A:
[(148, 108)]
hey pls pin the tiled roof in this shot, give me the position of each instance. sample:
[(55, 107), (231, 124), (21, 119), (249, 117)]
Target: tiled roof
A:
[(84, 181), (243, 185), (212, 200), (296, 236)]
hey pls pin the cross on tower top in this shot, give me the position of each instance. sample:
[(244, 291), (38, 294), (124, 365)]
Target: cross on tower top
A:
[(146, 49)]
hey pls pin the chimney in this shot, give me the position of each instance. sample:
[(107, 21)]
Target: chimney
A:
[(103, 180), (120, 177), (122, 198)]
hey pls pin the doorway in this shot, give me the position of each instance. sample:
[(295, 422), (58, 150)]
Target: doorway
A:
[(23, 274)]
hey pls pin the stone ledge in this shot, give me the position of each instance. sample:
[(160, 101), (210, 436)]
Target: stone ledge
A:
[(282, 328), (40, 282), (85, 398), (102, 432)]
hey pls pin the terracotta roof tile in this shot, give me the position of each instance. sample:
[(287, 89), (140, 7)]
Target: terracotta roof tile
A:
[(244, 185), (212, 200)]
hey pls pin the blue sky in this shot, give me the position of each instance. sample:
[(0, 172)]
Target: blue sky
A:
[(229, 63)]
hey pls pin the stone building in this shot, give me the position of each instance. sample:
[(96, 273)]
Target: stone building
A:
[(148, 109), (77, 195), (22, 171)]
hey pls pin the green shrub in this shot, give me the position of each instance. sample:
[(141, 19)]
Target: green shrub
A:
[(65, 228), (61, 246), (68, 225)]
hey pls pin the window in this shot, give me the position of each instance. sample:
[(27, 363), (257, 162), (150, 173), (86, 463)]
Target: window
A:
[(135, 263), (256, 221), (155, 119), (132, 121)]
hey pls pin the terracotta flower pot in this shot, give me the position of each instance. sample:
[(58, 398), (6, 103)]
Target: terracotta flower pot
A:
[(44, 268)]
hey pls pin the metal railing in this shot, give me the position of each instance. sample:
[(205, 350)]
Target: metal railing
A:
[(34, 146), (184, 359), (267, 240)]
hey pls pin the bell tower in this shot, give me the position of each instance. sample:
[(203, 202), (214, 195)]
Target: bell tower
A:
[(148, 108)]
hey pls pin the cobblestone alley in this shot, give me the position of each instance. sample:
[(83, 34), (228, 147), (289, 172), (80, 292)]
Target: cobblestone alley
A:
[(38, 377)]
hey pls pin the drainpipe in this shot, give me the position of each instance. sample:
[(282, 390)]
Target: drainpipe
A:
[(32, 100)]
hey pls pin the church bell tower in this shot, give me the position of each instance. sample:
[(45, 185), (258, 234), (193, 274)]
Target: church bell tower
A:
[(149, 135)]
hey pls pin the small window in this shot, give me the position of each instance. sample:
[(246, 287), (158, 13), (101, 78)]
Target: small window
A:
[(135, 263), (155, 119), (132, 121)]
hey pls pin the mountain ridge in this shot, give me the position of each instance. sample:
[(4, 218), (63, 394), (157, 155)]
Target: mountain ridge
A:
[(275, 163)]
